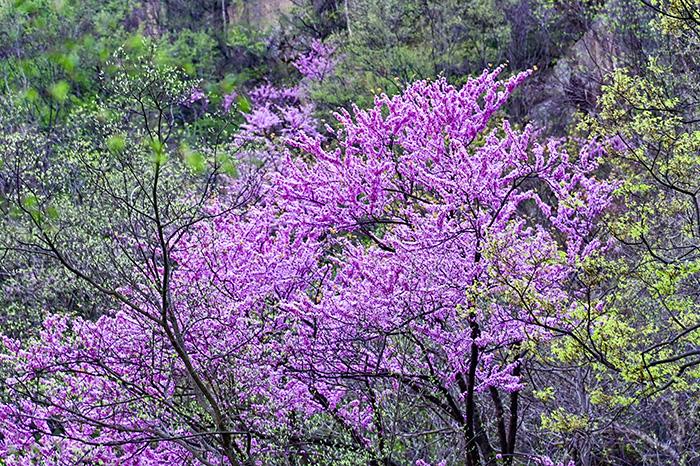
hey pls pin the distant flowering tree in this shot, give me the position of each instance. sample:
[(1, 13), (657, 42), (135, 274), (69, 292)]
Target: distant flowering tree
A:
[(318, 62), (197, 98), (278, 114), (283, 113), (286, 116), (383, 289)]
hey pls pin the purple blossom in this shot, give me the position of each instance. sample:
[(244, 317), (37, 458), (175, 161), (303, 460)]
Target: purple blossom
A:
[(228, 101), (267, 93), (197, 96), (318, 62)]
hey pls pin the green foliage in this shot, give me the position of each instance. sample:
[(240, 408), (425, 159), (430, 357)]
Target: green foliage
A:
[(52, 48), (195, 52), (393, 43), (76, 184), (247, 39), (59, 91), (561, 421)]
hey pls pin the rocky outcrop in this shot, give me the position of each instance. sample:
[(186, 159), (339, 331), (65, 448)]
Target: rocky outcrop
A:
[(574, 81), (257, 13)]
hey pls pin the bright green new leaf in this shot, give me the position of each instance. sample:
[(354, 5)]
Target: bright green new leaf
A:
[(116, 143), (60, 90)]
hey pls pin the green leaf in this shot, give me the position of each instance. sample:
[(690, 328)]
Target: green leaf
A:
[(52, 212), (228, 83), (195, 160), (228, 167), (189, 68), (30, 202), (243, 104), (31, 95), (69, 62), (116, 143), (158, 148), (15, 212), (59, 90), (135, 43)]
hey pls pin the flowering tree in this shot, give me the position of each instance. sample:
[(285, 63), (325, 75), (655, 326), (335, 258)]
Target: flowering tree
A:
[(318, 62), (457, 245), (381, 291), (282, 113)]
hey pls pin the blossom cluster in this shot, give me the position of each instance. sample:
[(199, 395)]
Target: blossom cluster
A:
[(318, 62)]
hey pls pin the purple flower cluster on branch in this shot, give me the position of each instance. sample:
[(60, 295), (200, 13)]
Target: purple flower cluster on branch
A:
[(404, 271), (318, 62), (279, 114)]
